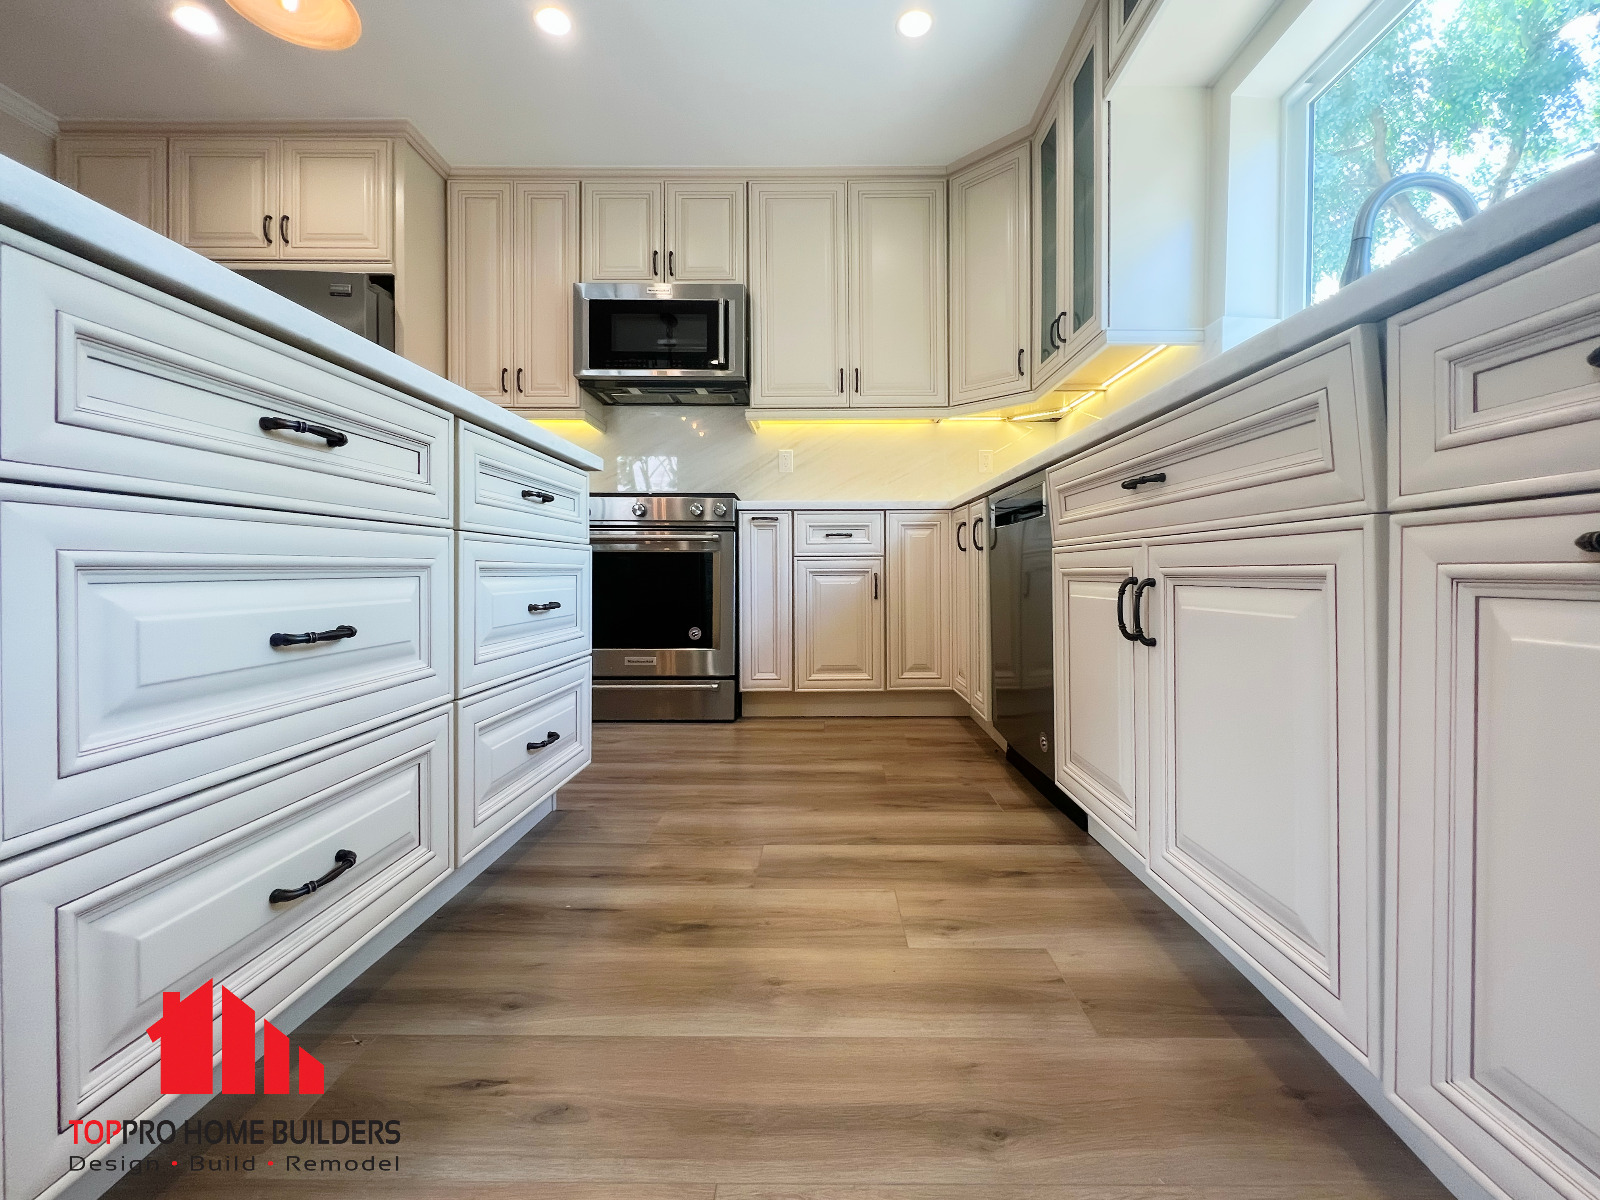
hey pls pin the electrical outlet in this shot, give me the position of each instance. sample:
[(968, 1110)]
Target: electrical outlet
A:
[(986, 462), (785, 462)]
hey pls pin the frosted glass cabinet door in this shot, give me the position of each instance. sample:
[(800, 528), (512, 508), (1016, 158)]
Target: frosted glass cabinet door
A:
[(1497, 912)]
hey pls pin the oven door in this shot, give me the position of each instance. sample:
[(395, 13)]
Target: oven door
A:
[(663, 603)]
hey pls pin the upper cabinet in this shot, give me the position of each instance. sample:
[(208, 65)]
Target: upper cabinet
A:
[(680, 231), (799, 306), (1128, 18), (990, 313), (126, 174), (897, 293)]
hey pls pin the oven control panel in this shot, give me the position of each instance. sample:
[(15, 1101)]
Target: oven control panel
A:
[(662, 508)]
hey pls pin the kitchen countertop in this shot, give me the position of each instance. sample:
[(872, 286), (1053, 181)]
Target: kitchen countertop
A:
[(44, 209), (842, 505)]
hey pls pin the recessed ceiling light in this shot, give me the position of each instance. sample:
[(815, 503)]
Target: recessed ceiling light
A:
[(191, 18), (314, 24), (553, 20), (914, 22)]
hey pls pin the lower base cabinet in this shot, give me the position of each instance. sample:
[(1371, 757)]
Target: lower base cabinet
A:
[(1495, 825), (838, 624)]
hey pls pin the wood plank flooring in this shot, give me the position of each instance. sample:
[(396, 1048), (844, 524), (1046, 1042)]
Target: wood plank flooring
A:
[(819, 960)]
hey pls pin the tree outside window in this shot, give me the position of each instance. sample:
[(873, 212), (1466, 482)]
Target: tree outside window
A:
[(1494, 93)]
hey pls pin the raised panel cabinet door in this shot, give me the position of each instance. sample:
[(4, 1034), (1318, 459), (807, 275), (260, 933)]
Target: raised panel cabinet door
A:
[(766, 602), (978, 581), (338, 200), (838, 624), (1264, 754), (960, 550), (545, 268), (127, 175), (1100, 700), (705, 231), (918, 629), (897, 293), (1496, 913), (799, 297), (225, 195), (622, 228), (989, 279), (480, 302)]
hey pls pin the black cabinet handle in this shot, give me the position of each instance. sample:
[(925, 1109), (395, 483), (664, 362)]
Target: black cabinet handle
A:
[(548, 606), (550, 739), (1055, 329), (874, 585), (1138, 481), (976, 544), (672, 265), (536, 494), (283, 228), (858, 381), (1021, 356), (266, 228), (1589, 543), (962, 525), (1138, 624), (841, 381), (337, 634), (505, 380), (343, 860), (1594, 358), (333, 437), (844, 533), (1122, 626), (519, 381), (655, 262)]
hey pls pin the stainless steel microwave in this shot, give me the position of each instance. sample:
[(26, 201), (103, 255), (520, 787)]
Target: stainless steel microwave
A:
[(661, 343)]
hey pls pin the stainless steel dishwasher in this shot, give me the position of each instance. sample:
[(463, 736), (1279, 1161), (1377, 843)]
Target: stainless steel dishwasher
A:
[(1022, 661)]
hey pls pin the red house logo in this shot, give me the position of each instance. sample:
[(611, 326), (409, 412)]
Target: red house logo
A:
[(185, 1032)]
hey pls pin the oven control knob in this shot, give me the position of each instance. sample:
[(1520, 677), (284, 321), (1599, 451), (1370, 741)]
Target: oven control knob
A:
[(721, 509), (639, 509), (697, 509)]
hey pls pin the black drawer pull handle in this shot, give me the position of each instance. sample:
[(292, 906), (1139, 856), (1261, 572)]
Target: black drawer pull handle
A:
[(536, 494), (550, 739), (333, 437), (549, 606), (337, 634), (842, 534), (1594, 358), (1589, 543), (1139, 481), (1122, 626), (1138, 624), (343, 861)]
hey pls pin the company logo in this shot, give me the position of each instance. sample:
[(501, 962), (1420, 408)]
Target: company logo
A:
[(186, 1033)]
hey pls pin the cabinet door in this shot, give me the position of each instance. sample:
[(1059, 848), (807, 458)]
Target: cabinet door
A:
[(1264, 754), (480, 239), (545, 268), (338, 200), (766, 602), (1100, 697), (798, 295), (978, 581), (897, 293), (622, 231), (838, 624), (961, 619), (1496, 930), (989, 281), (705, 231), (918, 629), (1050, 212), (127, 175), (224, 194), (1083, 111)]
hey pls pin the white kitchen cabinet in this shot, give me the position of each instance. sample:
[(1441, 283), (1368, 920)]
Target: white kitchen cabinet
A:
[(978, 611), (677, 231), (898, 293), (990, 307), (918, 614), (1496, 699), (766, 601), (622, 230), (545, 256), (838, 624), (799, 294), (705, 233), (224, 195), (126, 174), (961, 604), (481, 288)]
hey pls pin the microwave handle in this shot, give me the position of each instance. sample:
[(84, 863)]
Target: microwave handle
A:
[(723, 360)]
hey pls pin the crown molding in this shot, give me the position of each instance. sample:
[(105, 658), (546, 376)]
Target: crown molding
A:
[(30, 114)]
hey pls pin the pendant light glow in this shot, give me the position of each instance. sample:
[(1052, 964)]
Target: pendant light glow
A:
[(201, 22), (315, 24), (914, 23), (553, 21)]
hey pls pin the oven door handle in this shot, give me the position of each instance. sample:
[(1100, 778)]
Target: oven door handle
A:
[(623, 540), (645, 685), (722, 361)]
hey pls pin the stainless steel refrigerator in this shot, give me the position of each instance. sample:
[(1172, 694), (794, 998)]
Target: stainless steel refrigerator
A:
[(363, 304)]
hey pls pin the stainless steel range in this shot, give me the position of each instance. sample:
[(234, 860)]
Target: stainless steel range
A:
[(664, 617)]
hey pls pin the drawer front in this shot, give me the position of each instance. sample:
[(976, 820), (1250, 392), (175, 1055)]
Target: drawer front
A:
[(90, 943), (509, 760), (851, 534), (507, 488), (1493, 395), (136, 650), (507, 588), (115, 391), (1296, 439)]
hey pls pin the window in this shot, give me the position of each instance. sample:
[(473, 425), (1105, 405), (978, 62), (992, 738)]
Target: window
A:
[(1493, 93)]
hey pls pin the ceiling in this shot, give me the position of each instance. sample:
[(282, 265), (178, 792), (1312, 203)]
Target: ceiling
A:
[(672, 83)]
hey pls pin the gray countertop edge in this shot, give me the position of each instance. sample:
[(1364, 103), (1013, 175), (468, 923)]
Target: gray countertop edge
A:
[(41, 208)]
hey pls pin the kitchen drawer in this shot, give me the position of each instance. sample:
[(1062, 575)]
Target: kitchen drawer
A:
[(1492, 391), (135, 647), (509, 761), (505, 590), (851, 534), (507, 488), (92, 939), (1297, 438), (119, 389)]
